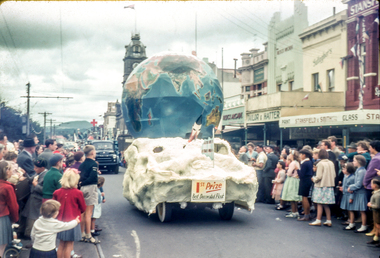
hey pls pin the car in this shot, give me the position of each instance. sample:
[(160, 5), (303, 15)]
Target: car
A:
[(171, 173), (71, 146), (106, 156)]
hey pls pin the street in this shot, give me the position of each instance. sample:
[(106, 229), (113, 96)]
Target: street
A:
[(192, 233)]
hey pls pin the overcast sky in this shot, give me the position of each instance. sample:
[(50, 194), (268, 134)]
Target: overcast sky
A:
[(76, 49)]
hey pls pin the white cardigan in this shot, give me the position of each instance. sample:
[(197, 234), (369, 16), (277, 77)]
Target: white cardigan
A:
[(44, 232)]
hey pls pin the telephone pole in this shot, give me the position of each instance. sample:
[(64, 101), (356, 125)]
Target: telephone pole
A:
[(45, 114), (51, 128), (28, 105)]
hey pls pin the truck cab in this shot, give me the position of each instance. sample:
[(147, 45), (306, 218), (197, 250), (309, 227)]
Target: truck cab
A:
[(106, 155)]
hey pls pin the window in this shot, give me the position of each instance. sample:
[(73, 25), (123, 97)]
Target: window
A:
[(136, 49), (315, 82), (330, 79), (259, 86), (279, 87), (242, 89), (247, 88), (291, 85)]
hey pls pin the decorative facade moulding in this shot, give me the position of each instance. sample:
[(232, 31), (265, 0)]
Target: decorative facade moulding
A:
[(370, 74), (352, 78)]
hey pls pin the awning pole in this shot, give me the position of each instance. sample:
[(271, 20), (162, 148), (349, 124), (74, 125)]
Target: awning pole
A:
[(280, 139)]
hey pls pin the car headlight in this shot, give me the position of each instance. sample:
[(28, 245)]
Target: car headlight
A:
[(114, 156)]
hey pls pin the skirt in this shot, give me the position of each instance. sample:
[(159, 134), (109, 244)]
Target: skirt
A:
[(97, 213), (34, 253), (73, 234), (305, 185), (345, 203), (360, 202), (376, 216), (277, 190), (290, 190), (323, 195), (6, 234)]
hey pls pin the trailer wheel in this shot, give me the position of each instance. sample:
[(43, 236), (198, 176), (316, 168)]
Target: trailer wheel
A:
[(227, 211), (164, 211)]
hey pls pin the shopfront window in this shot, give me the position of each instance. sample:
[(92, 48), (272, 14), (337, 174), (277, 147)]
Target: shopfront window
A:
[(247, 88), (330, 79), (315, 81)]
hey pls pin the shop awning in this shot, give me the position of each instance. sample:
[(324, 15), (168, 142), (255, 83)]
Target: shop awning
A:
[(354, 117)]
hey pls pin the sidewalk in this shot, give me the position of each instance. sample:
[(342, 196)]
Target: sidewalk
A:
[(85, 249)]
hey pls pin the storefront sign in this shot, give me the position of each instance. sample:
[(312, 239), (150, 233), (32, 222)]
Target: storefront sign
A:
[(233, 116), (264, 116), (321, 58), (258, 75), (361, 6), (279, 52), (366, 116), (208, 191)]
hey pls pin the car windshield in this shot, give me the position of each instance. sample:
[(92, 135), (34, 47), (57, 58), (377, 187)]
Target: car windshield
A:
[(103, 146)]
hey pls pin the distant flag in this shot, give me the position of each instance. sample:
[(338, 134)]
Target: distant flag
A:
[(306, 96), (366, 35), (319, 86), (194, 53), (341, 62), (132, 6), (353, 50)]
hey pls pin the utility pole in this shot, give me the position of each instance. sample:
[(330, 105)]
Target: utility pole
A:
[(235, 60), (28, 97), (45, 114), (27, 109), (51, 128)]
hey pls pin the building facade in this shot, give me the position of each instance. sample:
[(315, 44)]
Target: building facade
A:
[(109, 124), (362, 57)]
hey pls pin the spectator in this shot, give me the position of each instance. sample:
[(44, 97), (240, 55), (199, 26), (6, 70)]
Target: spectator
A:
[(52, 177), (2, 151), (88, 182), (72, 206), (4, 141), (79, 159), (348, 198), (243, 157), (50, 146), (269, 175), (374, 204), (24, 160), (252, 154), (360, 197), (259, 165), (305, 174), (291, 185), (39, 150), (279, 183), (323, 193), (33, 205), (8, 206), (334, 148), (362, 148), (45, 229), (17, 173)]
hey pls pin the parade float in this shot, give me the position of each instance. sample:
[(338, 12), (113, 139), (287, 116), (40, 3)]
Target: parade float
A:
[(171, 105)]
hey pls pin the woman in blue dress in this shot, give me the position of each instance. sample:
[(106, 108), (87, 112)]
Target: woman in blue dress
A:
[(360, 198)]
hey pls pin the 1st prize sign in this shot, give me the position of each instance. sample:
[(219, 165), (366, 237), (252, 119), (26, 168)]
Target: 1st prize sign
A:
[(208, 191)]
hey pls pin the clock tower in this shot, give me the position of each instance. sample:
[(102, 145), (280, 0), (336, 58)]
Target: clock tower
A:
[(134, 54)]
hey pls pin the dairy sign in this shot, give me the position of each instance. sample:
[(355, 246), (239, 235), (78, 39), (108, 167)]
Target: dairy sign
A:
[(369, 117), (234, 116), (208, 191)]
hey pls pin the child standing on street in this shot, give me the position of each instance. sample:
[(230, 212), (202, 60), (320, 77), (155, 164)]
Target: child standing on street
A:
[(279, 182), (72, 206), (374, 204), (98, 207), (347, 198), (45, 229)]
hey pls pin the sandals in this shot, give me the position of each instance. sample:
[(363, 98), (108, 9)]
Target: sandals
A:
[(92, 240)]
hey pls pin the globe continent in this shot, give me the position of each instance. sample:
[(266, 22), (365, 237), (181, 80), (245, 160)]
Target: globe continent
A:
[(167, 93)]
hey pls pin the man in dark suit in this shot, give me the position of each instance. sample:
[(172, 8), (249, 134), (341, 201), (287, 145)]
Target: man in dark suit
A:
[(24, 159), (269, 175)]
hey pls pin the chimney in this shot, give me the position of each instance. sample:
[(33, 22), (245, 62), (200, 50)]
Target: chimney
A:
[(333, 11)]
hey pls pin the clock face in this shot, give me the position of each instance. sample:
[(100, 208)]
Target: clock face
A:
[(134, 65)]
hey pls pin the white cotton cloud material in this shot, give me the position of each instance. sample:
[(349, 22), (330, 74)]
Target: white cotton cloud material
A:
[(166, 174)]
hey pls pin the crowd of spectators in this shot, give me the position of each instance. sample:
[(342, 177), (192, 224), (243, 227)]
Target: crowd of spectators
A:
[(324, 179)]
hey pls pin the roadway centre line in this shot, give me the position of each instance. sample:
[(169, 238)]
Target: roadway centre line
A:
[(137, 241)]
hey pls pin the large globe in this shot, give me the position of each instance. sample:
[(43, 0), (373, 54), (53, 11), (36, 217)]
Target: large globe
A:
[(167, 94)]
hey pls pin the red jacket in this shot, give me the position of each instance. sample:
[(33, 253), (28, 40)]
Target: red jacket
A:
[(8, 201), (72, 203)]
